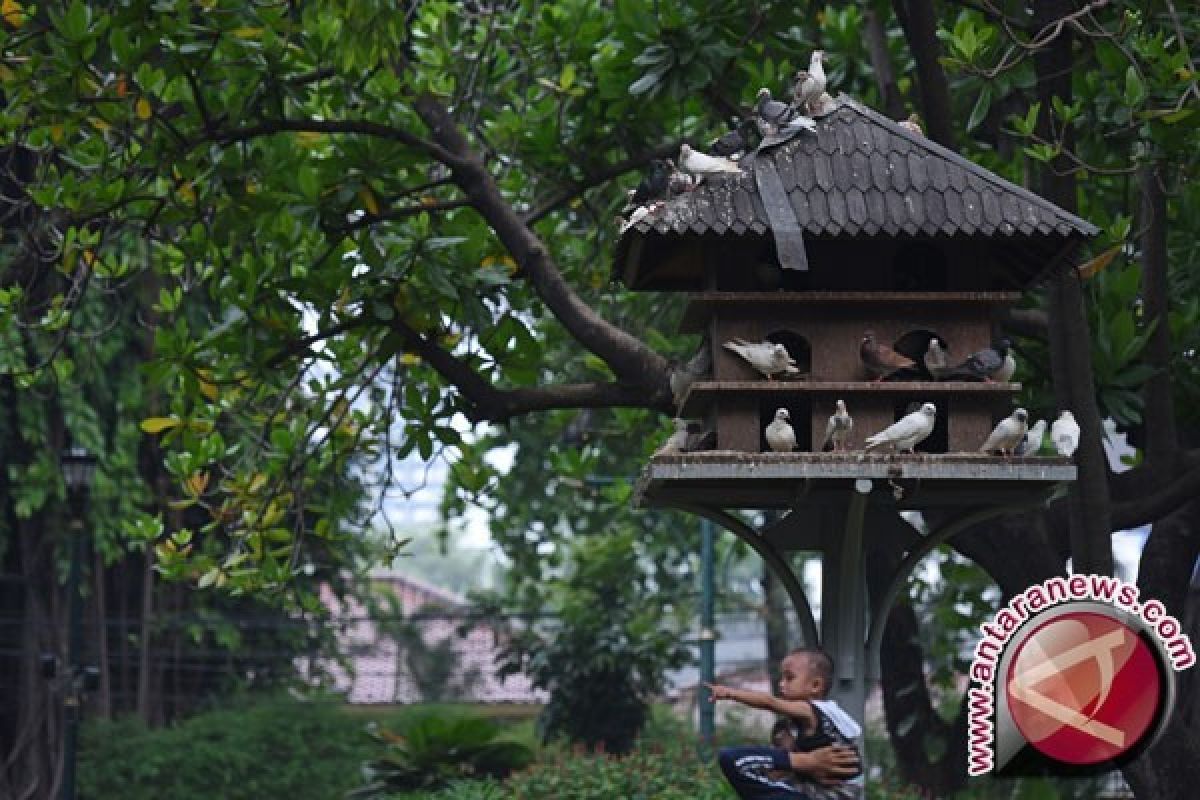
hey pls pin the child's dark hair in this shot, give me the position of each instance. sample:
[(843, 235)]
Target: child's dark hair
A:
[(820, 661)]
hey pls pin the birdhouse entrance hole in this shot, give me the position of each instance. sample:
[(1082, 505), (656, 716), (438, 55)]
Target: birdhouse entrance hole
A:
[(799, 410)]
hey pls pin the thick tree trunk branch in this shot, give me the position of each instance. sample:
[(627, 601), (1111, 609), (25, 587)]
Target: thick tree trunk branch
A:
[(1161, 436), (491, 404), (881, 63), (1070, 355), (1149, 508), (630, 359), (919, 20)]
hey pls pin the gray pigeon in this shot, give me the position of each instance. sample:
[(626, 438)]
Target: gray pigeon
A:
[(653, 185), (908, 432), (780, 436), (731, 145), (677, 441), (837, 430), (1064, 433), (985, 364), (879, 359), (682, 378), (1032, 442), (770, 115), (769, 358), (1008, 433)]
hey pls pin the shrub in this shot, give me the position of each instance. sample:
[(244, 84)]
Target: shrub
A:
[(279, 748), (432, 750)]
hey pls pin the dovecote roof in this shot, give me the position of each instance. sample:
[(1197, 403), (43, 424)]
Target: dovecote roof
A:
[(861, 175)]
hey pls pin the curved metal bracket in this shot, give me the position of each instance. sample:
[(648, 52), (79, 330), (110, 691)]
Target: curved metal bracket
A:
[(880, 612), (774, 561)]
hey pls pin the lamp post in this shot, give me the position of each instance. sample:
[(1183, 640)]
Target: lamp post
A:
[(78, 469)]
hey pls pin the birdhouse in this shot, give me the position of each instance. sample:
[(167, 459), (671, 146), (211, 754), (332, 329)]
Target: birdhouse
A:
[(848, 258), (863, 226)]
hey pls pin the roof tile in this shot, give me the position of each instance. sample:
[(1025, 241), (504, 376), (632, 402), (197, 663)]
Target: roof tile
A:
[(938, 178), (838, 216), (880, 174), (916, 172), (900, 174), (856, 207), (823, 171), (806, 177), (972, 207), (819, 209), (860, 171)]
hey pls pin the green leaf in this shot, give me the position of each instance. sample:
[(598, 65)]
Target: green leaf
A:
[(982, 104)]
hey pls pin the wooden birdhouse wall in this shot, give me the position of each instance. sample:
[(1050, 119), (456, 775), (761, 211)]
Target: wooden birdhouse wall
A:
[(822, 328)]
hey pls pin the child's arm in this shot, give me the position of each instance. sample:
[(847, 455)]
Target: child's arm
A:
[(799, 709)]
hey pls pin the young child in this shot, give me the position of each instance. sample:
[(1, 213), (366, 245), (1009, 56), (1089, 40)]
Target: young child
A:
[(814, 740)]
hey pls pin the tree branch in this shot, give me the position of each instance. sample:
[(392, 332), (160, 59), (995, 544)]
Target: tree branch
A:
[(919, 21), (360, 126), (630, 359), (491, 404), (1161, 436), (1150, 508)]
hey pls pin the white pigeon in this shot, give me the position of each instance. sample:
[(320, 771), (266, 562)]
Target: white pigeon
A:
[(1033, 439), (1064, 433), (682, 378), (702, 164), (1008, 433), (837, 430), (769, 358), (677, 441), (809, 84), (936, 359), (780, 436), (908, 432)]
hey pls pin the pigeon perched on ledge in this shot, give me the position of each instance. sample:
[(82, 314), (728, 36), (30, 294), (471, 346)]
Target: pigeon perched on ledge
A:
[(780, 436), (770, 115), (769, 358), (652, 187), (912, 125), (936, 360), (906, 433), (1032, 442), (990, 364), (837, 430), (879, 359), (677, 441), (682, 378), (1064, 433), (1008, 434)]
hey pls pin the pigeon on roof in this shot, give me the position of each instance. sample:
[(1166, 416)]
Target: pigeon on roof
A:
[(702, 164), (653, 185), (912, 125), (780, 436), (809, 84), (1008, 433), (770, 114)]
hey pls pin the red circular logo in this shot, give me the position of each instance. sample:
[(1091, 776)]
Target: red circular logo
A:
[(1083, 688)]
